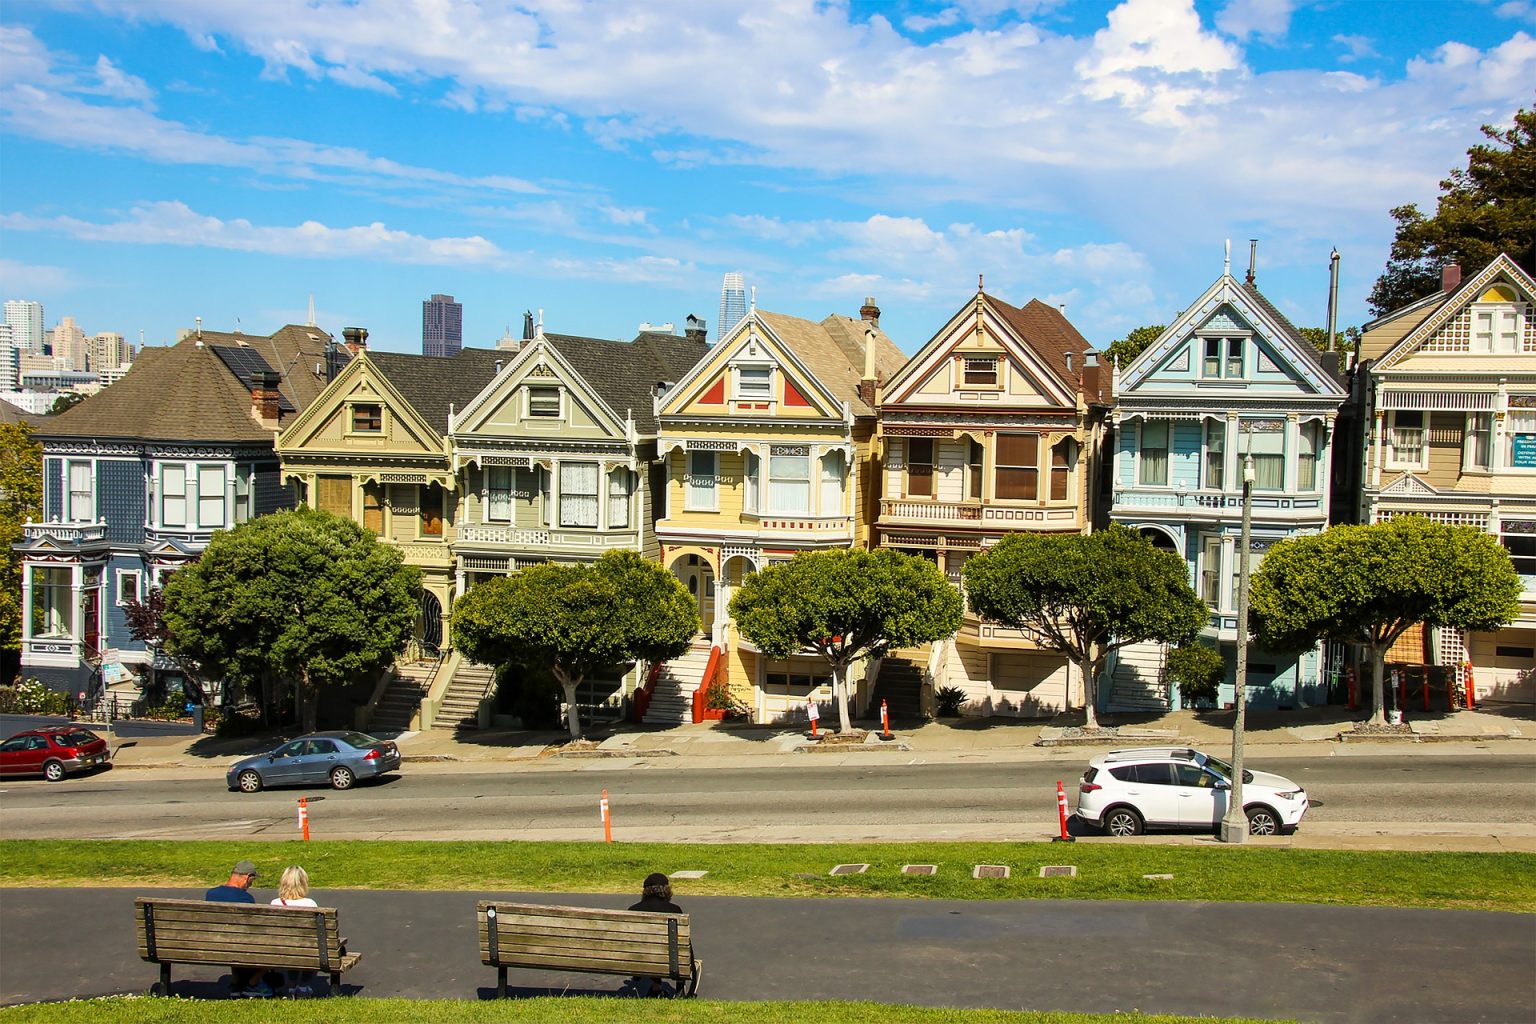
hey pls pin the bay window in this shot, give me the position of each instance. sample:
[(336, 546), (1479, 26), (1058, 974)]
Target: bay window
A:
[(1018, 467), (1477, 441), (1061, 468), (1215, 454), (752, 476), (1210, 571), (578, 494), (373, 509), (789, 480), (52, 601), (1266, 443), (1154, 452), (242, 494), (973, 470), (498, 494), (210, 497), (431, 497)]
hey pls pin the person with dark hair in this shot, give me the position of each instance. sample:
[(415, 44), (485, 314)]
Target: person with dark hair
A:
[(655, 898), (243, 981)]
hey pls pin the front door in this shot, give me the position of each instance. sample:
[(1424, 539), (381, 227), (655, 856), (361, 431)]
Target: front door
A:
[(431, 621), (90, 618)]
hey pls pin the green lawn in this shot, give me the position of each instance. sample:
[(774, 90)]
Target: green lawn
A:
[(1483, 881), (565, 1010)]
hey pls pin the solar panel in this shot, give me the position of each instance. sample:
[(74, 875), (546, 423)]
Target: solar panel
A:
[(245, 363)]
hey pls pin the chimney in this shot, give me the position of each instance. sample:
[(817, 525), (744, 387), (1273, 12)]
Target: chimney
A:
[(1069, 362), (264, 397), (869, 311), (356, 338), (1450, 277), (695, 329), (527, 325)]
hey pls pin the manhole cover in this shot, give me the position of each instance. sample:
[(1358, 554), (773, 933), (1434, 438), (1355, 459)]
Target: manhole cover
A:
[(689, 874), (1159, 878), (990, 871), (920, 869), (850, 869), (1058, 871)]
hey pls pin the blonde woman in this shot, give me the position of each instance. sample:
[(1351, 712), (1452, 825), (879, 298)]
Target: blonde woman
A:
[(293, 891)]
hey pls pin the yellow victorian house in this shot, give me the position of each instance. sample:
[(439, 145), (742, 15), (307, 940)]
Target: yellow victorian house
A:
[(766, 445)]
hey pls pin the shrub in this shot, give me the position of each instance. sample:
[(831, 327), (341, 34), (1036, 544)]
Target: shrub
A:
[(1198, 670), (949, 701), (31, 697)]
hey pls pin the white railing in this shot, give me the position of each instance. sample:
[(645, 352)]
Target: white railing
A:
[(930, 511), (66, 533)]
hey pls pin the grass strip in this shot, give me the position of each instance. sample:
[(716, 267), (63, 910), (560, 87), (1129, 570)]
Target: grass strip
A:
[(1477, 881), (564, 1010)]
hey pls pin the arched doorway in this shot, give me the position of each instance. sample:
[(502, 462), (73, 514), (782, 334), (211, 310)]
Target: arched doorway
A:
[(699, 577), (429, 624), (1160, 539)]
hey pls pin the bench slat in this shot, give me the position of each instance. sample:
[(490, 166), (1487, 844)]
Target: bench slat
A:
[(571, 913), (590, 965), (239, 934), (549, 924), (603, 947), (261, 942)]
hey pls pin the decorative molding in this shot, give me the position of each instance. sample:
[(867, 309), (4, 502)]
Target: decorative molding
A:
[(1409, 485)]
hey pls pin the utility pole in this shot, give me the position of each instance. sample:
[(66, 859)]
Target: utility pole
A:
[(1234, 824)]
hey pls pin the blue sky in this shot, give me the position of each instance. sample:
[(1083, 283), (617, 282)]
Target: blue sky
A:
[(162, 160)]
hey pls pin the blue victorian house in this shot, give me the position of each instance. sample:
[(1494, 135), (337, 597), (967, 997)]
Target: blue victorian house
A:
[(1228, 378)]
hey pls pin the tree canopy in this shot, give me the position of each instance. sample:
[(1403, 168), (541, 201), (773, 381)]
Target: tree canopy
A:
[(1343, 339), (1122, 351), (1485, 209), (21, 501), (1086, 595), (846, 605), (1368, 584), (577, 619), (68, 400), (301, 595)]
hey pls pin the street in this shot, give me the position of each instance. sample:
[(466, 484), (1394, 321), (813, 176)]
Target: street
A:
[(652, 800)]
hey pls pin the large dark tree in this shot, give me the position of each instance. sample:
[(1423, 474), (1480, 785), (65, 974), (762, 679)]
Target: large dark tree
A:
[(1121, 351), (1486, 209), (21, 501)]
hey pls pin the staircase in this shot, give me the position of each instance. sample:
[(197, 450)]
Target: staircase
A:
[(900, 685), (461, 702), (672, 700), (401, 698), (1138, 683)]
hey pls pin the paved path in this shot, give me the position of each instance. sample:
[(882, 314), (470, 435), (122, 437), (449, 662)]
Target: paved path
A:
[(1310, 963)]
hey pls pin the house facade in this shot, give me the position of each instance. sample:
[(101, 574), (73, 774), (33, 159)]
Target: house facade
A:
[(766, 447), (1229, 378), (137, 480), (1451, 415), (996, 426)]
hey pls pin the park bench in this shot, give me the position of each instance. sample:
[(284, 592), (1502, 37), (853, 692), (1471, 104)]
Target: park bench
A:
[(586, 941), (240, 935)]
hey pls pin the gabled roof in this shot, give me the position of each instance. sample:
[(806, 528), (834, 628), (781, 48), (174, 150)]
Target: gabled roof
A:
[(1453, 303), (436, 385), (834, 352), (625, 373), (1049, 333)]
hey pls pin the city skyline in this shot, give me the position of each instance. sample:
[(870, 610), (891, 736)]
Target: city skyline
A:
[(178, 160)]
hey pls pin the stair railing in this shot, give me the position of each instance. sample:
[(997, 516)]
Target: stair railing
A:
[(714, 675), (933, 675)]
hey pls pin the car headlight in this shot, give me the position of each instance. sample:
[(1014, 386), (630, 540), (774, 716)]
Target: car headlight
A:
[(1293, 794)]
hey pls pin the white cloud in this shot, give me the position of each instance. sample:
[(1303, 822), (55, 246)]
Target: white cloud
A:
[(1356, 47), (1268, 19), (18, 278), (1154, 55)]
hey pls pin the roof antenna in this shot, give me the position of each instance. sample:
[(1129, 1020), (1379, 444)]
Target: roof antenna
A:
[(754, 298), (1253, 258)]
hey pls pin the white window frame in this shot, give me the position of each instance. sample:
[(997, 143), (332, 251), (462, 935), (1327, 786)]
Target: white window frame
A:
[(123, 576), (833, 467), (165, 495), (1394, 461), (993, 365), (780, 485), (1211, 574), (568, 472), (1318, 432), (752, 482), (620, 489), (244, 493), (558, 415), (205, 502), (1141, 452), (739, 382), (1477, 423), (1215, 458), (68, 606), (488, 512), (1224, 357), (86, 498), (701, 491), (352, 419)]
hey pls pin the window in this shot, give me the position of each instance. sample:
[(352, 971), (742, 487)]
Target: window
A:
[(919, 467), (128, 583), (789, 481), (242, 494), (618, 499), (980, 371), (367, 418), (1235, 358), (1310, 439), (1154, 452), (1212, 364), (82, 502), (1210, 571), (1405, 440), (578, 494), (752, 473), (173, 495), (754, 383), (1496, 321), (1215, 454), (373, 509), (334, 494), (1061, 468), (210, 497), (1223, 358), (498, 494), (52, 601), (431, 496), (1519, 538), (1266, 443), (1158, 774), (832, 484), (1477, 441), (544, 402), (973, 470), (702, 493), (1520, 448), (1018, 467)]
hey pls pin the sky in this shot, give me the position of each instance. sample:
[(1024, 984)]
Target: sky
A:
[(607, 163)]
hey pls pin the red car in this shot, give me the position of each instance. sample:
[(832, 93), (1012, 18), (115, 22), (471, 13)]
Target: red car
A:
[(54, 752)]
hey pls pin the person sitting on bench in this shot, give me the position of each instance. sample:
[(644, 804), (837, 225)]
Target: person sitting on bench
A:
[(656, 898)]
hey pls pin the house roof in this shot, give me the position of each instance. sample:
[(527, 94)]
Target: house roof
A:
[(11, 414), (624, 373), (834, 351), (1308, 350), (1049, 333), (436, 385)]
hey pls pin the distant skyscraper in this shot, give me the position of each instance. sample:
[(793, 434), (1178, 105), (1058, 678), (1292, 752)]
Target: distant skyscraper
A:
[(26, 320), (733, 303), (442, 326)]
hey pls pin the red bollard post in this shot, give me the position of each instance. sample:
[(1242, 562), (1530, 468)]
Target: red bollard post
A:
[(813, 713), (304, 817), (1426, 687), (1471, 692), (1349, 679), (607, 818), (885, 719), (1061, 810)]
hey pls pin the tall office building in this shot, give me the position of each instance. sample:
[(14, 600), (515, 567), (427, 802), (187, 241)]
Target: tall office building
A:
[(442, 326), (733, 304), (26, 320), (69, 341), (108, 351)]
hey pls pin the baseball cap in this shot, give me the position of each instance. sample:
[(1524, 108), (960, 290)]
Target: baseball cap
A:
[(245, 867)]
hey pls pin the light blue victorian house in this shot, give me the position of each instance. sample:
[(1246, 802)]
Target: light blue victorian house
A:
[(1230, 376)]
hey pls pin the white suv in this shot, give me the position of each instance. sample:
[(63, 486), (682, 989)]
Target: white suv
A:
[(1125, 792)]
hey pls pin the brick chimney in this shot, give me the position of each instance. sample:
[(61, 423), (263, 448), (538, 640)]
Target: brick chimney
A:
[(696, 329), (869, 311), (1450, 277), (356, 338), (264, 397)]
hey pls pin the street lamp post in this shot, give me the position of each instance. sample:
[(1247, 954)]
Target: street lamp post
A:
[(1234, 824)]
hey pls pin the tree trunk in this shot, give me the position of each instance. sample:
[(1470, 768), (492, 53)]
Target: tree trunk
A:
[(572, 716), (840, 693), (1378, 685), (309, 703), (1090, 693)]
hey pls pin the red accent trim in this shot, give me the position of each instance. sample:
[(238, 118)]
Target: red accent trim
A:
[(715, 395), (702, 712), (792, 395), (642, 701)]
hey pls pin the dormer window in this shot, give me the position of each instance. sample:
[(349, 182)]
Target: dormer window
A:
[(544, 403), (754, 383), (1223, 358), (1497, 320), (980, 371), (367, 418)]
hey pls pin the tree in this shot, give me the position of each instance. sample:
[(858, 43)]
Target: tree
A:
[(576, 620), (1121, 352), (1196, 669), (1368, 584), (846, 606), (1086, 595), (1343, 340), (1486, 209), (146, 623), (21, 502), (301, 595), (68, 400)]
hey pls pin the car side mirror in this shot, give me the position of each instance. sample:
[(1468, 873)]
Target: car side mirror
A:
[(1223, 785)]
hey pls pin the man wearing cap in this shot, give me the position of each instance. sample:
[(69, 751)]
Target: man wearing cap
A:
[(243, 981)]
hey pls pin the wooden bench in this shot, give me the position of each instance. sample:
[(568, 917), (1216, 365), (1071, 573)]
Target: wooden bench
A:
[(586, 941), (240, 935)]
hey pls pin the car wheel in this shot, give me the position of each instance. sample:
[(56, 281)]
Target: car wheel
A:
[(1122, 821), (249, 781), (53, 771), (1263, 822), (342, 778)]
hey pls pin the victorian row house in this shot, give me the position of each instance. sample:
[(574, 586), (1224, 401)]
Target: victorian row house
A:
[(1230, 379), (1450, 405), (138, 478), (995, 426)]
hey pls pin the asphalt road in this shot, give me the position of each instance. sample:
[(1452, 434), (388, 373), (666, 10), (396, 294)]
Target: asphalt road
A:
[(1352, 965), (651, 801)]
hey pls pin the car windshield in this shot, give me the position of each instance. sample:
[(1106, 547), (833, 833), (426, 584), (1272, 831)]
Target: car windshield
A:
[(1224, 769), (76, 739), (360, 740)]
